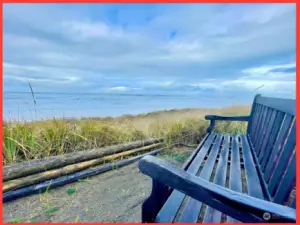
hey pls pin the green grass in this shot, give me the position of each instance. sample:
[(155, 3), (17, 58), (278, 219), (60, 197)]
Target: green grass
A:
[(71, 191), (35, 140)]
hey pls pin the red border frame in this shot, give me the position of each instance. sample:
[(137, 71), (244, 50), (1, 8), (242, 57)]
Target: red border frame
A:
[(153, 1), (149, 1)]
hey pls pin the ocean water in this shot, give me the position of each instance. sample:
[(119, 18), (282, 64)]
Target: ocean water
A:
[(22, 106)]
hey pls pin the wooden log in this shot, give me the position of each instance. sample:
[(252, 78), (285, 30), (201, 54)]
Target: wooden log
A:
[(35, 166), (39, 177), (47, 185)]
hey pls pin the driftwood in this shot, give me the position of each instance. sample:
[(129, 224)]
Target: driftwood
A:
[(39, 177), (50, 184), (35, 166)]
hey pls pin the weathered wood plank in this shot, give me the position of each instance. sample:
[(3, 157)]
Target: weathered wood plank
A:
[(268, 165), (281, 156), (171, 207), (263, 133), (284, 105), (51, 174), (35, 166), (255, 119), (252, 179), (191, 211), (259, 125), (211, 215), (267, 133), (227, 118), (274, 134), (259, 132), (286, 182), (237, 205), (58, 182), (280, 162), (188, 162), (252, 114), (235, 176)]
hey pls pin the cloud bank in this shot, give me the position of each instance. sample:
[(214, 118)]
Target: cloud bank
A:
[(215, 49)]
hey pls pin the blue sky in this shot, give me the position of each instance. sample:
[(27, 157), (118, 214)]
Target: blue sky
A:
[(201, 49)]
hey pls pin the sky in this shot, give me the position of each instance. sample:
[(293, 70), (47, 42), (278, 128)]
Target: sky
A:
[(192, 49)]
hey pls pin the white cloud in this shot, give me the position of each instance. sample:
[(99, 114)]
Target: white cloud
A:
[(207, 83), (84, 30), (56, 43), (41, 74), (121, 89), (263, 77), (267, 70), (65, 80)]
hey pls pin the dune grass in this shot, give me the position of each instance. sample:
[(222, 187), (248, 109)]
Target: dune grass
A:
[(33, 140)]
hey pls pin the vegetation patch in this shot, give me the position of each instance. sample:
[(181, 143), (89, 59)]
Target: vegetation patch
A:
[(34, 140)]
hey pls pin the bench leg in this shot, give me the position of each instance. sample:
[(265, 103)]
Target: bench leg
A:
[(155, 201), (211, 126)]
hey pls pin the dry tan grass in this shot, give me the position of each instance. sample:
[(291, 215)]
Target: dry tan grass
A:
[(25, 141)]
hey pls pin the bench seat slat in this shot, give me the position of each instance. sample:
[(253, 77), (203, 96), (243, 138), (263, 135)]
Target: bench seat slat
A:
[(211, 215), (252, 179), (191, 211), (235, 181), (171, 206)]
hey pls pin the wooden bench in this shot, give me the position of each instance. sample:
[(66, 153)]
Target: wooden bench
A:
[(231, 178)]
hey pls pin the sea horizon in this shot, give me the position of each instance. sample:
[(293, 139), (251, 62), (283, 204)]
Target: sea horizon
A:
[(25, 106)]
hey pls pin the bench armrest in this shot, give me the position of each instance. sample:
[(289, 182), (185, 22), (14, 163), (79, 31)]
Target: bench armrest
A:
[(239, 206), (213, 118)]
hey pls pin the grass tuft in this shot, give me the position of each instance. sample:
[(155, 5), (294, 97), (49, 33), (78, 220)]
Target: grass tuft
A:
[(34, 140)]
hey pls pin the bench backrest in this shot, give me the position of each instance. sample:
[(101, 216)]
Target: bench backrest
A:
[(272, 134)]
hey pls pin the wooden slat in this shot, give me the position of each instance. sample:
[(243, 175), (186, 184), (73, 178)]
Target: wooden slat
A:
[(254, 121), (280, 162), (235, 177), (252, 179), (260, 132), (252, 114), (275, 131), (259, 118), (263, 132), (260, 174), (227, 118), (192, 209), (267, 134), (268, 166), (284, 105), (171, 206), (286, 183), (212, 215), (188, 162)]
